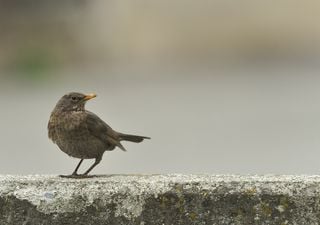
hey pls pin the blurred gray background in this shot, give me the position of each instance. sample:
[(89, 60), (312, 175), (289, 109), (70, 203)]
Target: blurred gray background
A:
[(220, 86)]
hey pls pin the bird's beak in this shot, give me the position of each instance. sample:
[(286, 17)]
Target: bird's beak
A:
[(89, 96)]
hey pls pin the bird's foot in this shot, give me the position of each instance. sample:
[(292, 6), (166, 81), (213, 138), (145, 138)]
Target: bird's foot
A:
[(76, 176)]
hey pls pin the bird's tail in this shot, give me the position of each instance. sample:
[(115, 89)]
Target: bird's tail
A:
[(132, 138)]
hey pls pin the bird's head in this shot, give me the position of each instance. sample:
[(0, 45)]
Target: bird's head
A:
[(73, 101)]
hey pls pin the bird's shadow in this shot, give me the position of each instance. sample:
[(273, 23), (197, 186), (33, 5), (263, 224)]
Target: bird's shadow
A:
[(83, 176), (96, 176)]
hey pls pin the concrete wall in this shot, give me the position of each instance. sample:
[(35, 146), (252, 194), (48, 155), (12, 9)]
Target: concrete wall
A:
[(160, 199)]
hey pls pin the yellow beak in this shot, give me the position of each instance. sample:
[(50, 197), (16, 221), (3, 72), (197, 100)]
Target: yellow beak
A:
[(89, 96)]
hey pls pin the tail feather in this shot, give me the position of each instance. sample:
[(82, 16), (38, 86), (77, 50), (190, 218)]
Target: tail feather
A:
[(132, 138), (116, 143)]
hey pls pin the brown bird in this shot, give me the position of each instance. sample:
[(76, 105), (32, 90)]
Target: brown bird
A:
[(82, 134)]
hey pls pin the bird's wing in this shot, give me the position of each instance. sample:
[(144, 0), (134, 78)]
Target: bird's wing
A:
[(102, 131)]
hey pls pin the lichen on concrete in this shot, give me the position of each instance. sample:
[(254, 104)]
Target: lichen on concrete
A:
[(160, 199)]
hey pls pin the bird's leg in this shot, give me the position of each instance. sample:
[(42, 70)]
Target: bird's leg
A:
[(76, 170), (98, 160), (74, 174)]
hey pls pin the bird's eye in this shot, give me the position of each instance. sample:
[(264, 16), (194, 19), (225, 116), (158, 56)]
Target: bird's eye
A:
[(73, 98)]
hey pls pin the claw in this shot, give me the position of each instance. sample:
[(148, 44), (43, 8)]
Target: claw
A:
[(77, 176)]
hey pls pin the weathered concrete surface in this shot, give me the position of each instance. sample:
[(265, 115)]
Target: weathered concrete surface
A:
[(160, 199)]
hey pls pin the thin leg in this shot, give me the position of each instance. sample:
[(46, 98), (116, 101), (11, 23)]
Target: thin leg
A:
[(75, 172), (98, 160)]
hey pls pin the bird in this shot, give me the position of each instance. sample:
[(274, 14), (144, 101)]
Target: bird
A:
[(81, 133)]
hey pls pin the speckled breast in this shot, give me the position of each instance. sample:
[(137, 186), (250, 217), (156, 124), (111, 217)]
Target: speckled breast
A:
[(84, 147), (72, 136)]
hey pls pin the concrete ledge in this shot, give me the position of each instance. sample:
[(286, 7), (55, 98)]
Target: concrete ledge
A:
[(160, 199)]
